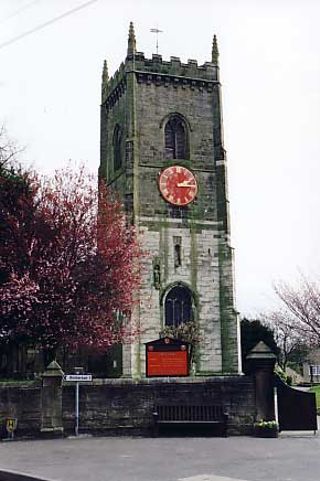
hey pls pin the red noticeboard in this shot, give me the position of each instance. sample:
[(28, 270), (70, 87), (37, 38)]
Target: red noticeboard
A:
[(167, 357)]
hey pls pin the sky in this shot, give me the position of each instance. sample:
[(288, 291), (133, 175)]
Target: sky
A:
[(50, 74)]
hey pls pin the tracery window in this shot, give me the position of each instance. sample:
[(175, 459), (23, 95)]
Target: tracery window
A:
[(117, 158), (178, 306), (176, 139)]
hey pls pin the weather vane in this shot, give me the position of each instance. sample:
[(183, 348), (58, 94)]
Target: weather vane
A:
[(156, 31)]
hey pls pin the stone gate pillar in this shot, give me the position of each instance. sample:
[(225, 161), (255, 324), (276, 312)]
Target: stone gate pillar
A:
[(261, 361), (51, 401)]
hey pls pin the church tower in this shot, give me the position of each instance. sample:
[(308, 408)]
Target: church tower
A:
[(162, 151)]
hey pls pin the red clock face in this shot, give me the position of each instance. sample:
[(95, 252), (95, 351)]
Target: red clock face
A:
[(178, 185)]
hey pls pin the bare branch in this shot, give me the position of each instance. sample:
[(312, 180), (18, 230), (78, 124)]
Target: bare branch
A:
[(8, 150)]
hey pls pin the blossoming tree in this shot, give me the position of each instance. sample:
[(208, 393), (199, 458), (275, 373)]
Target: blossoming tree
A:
[(66, 270)]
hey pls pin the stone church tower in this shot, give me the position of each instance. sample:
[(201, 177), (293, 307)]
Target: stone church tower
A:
[(162, 150)]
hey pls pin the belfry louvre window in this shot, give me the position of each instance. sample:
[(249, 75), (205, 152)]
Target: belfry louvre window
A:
[(117, 159), (176, 142), (178, 306)]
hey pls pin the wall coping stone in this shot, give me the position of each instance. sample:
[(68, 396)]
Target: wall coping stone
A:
[(168, 380)]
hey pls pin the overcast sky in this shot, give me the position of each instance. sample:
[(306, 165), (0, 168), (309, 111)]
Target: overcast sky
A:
[(270, 72)]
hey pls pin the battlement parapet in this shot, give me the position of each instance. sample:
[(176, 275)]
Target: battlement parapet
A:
[(175, 67), (116, 78), (160, 72)]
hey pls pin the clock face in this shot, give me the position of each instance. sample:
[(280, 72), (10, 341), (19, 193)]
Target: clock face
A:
[(178, 185)]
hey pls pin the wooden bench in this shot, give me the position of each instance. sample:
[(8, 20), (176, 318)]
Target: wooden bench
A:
[(195, 415)]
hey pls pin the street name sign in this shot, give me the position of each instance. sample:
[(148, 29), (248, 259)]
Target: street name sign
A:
[(78, 377)]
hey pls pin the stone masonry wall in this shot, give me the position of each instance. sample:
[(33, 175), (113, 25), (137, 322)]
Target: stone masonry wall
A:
[(199, 270), (23, 403), (201, 232), (118, 406), (140, 97), (126, 407), (154, 104)]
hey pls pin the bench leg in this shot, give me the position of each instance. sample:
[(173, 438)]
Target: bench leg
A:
[(155, 429)]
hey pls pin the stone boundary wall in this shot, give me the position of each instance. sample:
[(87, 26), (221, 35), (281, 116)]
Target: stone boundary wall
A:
[(120, 406), (24, 403), (125, 407)]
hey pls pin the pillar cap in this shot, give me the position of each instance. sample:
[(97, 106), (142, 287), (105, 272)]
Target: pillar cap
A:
[(53, 370), (261, 351)]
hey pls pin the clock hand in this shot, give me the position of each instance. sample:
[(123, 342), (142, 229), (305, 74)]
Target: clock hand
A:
[(185, 184)]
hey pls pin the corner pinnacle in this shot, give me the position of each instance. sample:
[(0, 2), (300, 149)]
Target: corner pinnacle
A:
[(132, 47), (215, 51), (105, 75)]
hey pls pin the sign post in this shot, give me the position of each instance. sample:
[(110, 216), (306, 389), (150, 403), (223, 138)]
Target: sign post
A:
[(77, 378), (77, 409)]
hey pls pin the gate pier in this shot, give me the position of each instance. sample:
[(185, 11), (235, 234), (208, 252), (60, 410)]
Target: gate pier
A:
[(261, 361)]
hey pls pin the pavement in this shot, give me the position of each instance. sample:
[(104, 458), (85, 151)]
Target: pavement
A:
[(291, 457)]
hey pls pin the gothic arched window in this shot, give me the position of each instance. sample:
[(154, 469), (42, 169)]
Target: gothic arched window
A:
[(117, 159), (178, 306), (176, 138)]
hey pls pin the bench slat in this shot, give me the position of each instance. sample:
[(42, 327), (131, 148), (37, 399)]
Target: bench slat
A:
[(192, 413), (196, 414)]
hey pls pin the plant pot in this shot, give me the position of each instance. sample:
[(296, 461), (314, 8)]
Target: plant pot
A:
[(265, 432)]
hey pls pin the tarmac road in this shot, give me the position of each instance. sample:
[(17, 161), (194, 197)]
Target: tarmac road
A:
[(288, 458)]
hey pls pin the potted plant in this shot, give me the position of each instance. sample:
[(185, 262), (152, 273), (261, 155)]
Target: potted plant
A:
[(266, 429)]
